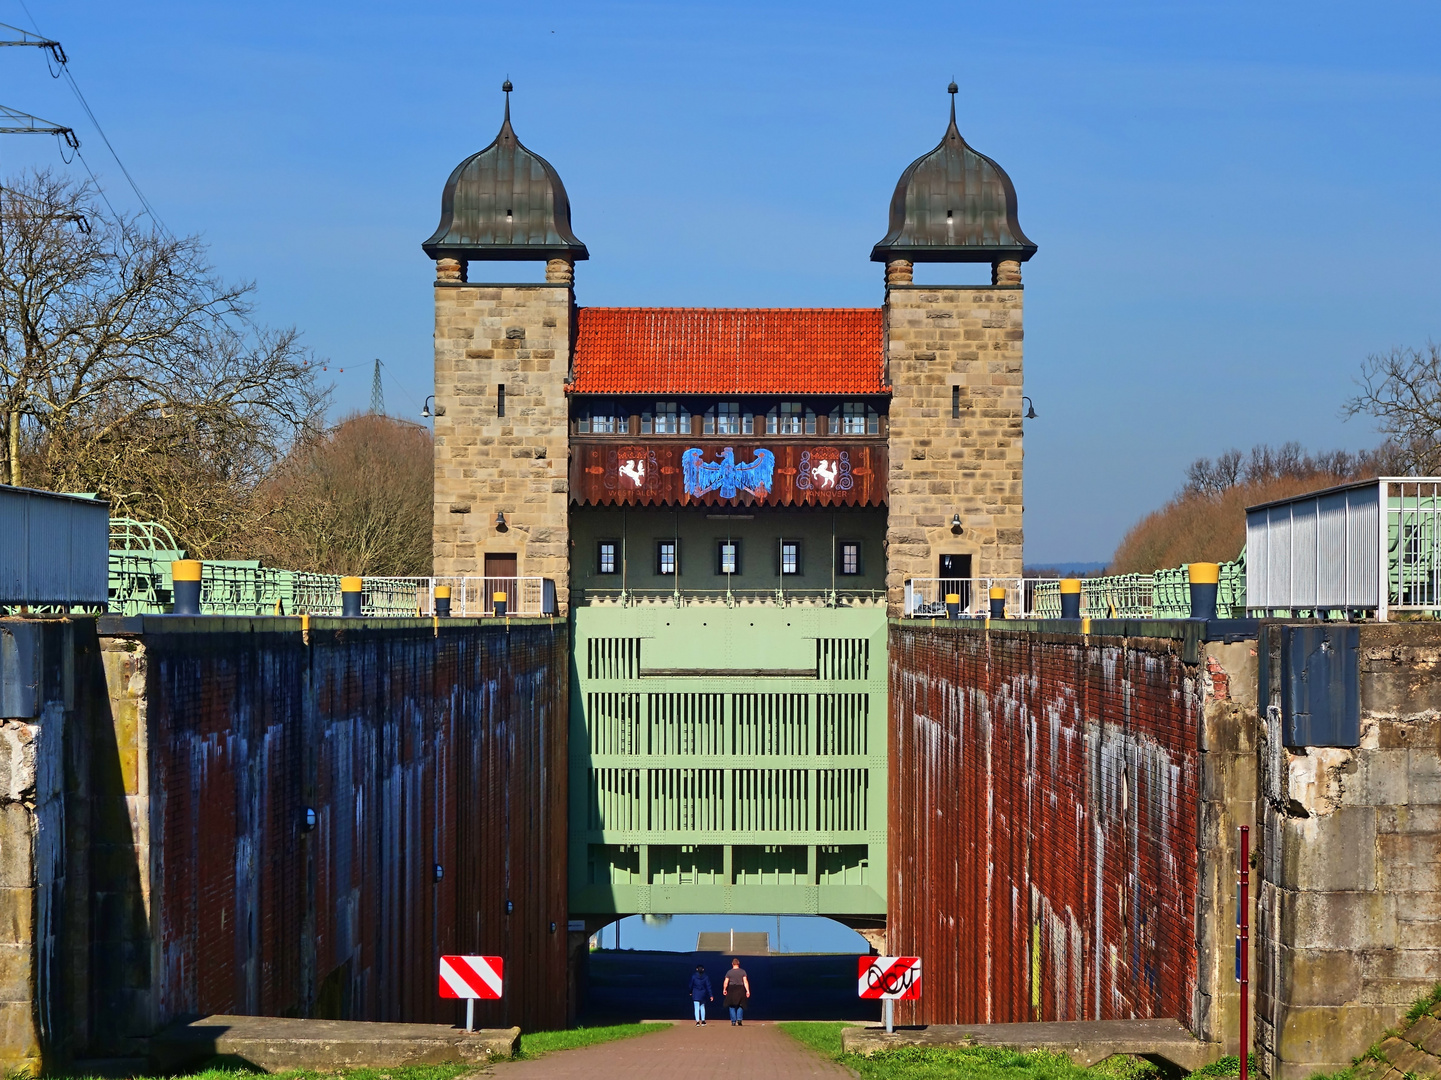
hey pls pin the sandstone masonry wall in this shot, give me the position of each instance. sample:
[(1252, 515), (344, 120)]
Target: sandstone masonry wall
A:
[(1348, 928), (517, 464), (939, 338)]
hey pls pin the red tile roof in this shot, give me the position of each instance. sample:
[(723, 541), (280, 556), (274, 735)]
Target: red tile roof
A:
[(728, 351)]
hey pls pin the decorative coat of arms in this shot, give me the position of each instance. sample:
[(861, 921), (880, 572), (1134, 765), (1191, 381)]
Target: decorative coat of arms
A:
[(632, 468), (726, 477), (825, 469)]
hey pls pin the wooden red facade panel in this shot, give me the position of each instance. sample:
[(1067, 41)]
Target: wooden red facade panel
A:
[(728, 472)]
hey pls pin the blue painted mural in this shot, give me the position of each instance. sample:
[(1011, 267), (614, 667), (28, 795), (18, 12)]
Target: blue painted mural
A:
[(725, 477)]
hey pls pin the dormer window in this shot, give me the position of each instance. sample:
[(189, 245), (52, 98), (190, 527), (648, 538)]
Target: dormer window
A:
[(790, 418), (600, 418), (855, 418), (669, 418), (724, 418)]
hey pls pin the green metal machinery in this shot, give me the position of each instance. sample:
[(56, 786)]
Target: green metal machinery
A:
[(728, 759)]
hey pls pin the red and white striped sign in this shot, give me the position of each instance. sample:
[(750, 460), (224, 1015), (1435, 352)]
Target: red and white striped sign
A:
[(470, 976), (890, 977)]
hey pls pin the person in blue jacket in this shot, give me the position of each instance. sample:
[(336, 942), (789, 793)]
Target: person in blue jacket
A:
[(700, 993)]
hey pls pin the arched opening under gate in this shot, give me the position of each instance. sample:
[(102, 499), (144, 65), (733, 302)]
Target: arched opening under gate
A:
[(800, 967)]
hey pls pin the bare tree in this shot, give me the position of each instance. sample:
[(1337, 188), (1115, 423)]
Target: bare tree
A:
[(1205, 477), (1402, 390), (128, 367), (357, 500)]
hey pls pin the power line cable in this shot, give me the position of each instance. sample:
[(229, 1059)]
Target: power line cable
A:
[(59, 55)]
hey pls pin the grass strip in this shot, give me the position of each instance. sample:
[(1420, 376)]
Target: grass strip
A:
[(536, 1043), (961, 1062)]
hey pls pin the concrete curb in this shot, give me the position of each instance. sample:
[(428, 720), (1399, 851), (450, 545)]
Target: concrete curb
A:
[(275, 1044)]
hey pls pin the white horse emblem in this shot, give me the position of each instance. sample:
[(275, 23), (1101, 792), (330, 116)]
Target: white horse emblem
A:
[(826, 472), (634, 471)]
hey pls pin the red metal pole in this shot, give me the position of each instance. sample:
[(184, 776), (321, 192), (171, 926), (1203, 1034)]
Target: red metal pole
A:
[(1243, 916)]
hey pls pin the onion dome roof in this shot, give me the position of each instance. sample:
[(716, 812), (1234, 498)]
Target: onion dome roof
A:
[(954, 205), (506, 202)]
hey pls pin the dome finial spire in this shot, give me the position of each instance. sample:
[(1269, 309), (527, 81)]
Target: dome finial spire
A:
[(953, 90), (507, 88)]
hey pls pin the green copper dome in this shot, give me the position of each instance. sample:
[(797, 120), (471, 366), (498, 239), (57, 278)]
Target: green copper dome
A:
[(954, 205), (505, 202)]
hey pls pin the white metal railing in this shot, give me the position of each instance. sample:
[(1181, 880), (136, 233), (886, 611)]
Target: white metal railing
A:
[(926, 597), (393, 597), (731, 597), (471, 597)]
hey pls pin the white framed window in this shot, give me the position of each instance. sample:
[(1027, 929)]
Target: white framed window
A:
[(728, 557), (669, 418), (790, 556), (787, 418), (855, 418), (666, 557), (605, 557), (724, 418), (600, 418), (850, 557)]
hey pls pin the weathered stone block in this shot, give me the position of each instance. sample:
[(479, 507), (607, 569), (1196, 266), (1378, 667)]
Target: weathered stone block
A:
[(1315, 977), (1358, 920), (1332, 853)]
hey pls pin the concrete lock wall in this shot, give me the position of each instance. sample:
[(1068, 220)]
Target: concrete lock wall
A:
[(1349, 928), (1063, 823), (159, 861)]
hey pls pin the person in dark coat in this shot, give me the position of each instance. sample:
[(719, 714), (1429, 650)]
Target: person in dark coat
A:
[(700, 993), (737, 990)]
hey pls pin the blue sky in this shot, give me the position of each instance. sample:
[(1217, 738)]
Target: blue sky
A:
[(1235, 203)]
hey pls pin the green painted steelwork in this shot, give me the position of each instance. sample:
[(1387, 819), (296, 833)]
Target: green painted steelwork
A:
[(1166, 594), (728, 759)]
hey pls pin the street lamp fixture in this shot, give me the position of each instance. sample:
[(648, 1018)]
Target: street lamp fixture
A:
[(1031, 411)]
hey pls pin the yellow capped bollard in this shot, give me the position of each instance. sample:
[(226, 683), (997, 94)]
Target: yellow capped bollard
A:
[(1070, 598), (1205, 580), (498, 601), (953, 605), (185, 585), (998, 601), (442, 601), (350, 590)]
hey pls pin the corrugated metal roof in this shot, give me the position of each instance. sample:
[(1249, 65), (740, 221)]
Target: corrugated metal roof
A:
[(729, 351)]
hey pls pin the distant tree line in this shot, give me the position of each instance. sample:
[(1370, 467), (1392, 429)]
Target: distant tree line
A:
[(1206, 520), (129, 368)]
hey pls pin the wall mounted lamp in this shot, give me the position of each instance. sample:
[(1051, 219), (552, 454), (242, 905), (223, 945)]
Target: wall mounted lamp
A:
[(956, 524), (500, 525), (1031, 411), (425, 409)]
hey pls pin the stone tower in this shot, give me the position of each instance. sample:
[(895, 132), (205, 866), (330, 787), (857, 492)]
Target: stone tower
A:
[(502, 354), (954, 359)]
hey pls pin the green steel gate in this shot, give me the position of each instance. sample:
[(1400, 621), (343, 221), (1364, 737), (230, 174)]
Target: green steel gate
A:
[(728, 759)]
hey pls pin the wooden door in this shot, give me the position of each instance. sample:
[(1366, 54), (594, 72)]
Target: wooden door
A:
[(500, 576)]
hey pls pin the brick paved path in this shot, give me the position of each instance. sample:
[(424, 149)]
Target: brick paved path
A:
[(684, 1052)]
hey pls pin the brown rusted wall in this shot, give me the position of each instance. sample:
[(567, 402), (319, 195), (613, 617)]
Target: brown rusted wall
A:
[(416, 749), (1043, 824)]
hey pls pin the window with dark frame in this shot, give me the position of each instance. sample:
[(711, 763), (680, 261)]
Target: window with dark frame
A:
[(669, 418), (605, 561), (850, 560), (728, 557), (790, 556), (665, 557)]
